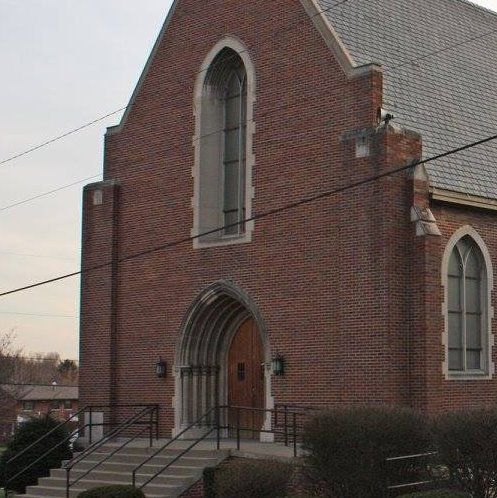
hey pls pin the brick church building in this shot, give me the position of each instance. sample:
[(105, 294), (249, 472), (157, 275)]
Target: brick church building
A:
[(381, 293)]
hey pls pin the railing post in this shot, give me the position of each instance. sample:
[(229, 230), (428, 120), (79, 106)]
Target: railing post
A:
[(67, 481), (91, 423), (218, 429), (294, 434), (286, 425), (151, 428), (134, 478), (6, 480), (238, 429), (157, 422)]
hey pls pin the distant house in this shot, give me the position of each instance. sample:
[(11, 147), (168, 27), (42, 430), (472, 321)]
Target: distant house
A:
[(22, 402)]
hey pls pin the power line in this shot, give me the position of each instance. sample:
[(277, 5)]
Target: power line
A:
[(60, 137), (264, 214), (97, 120), (63, 187), (42, 256), (444, 49), (35, 358), (37, 315), (50, 192), (101, 118)]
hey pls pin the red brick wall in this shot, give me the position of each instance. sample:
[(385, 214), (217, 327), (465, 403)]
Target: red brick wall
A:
[(333, 280)]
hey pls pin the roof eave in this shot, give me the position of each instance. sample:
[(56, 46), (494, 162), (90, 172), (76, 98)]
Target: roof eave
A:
[(461, 198), (335, 44), (111, 130)]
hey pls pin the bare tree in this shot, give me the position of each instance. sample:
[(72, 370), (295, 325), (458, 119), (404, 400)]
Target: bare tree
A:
[(9, 357)]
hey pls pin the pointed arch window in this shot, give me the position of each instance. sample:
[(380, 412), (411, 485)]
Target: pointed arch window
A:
[(222, 173), (234, 138), (467, 309)]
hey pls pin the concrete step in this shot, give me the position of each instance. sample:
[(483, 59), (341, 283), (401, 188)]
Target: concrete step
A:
[(118, 471), (171, 477), (157, 460), (144, 452), (53, 488)]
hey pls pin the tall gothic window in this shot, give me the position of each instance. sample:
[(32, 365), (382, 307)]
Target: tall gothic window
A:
[(235, 112), (222, 182), (467, 308)]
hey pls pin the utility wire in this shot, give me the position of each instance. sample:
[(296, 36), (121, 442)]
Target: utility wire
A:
[(442, 50), (327, 9), (35, 358), (264, 214), (63, 187), (50, 192), (184, 82), (60, 137), (41, 256), (36, 314)]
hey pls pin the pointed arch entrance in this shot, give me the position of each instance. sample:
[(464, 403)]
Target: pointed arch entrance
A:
[(222, 357)]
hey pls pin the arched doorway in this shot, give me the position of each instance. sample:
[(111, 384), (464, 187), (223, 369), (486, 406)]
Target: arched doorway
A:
[(222, 357)]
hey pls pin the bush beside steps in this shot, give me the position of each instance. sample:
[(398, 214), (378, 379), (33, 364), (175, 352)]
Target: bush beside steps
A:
[(113, 492)]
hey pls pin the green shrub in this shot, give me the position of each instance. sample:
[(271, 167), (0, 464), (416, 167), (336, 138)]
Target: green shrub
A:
[(467, 444), (25, 435), (346, 450), (437, 494), (113, 492), (209, 476), (252, 479)]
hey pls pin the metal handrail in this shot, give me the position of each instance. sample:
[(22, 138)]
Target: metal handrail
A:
[(101, 442), (107, 458), (65, 440), (217, 427), (175, 459), (400, 486), (148, 410), (177, 437), (40, 439)]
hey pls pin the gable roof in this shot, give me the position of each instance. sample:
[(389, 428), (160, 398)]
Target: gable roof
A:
[(40, 392), (440, 78)]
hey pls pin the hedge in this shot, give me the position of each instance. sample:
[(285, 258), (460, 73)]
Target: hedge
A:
[(113, 492), (437, 494), (467, 445), (346, 450), (251, 479), (25, 435)]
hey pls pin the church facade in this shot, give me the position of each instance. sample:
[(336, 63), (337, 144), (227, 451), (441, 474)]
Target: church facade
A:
[(249, 238)]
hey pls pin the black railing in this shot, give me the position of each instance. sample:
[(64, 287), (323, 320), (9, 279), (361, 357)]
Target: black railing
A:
[(8, 479), (150, 411), (91, 409), (412, 472), (217, 427)]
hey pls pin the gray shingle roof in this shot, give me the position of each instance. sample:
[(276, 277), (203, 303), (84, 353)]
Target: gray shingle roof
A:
[(449, 97), (40, 392)]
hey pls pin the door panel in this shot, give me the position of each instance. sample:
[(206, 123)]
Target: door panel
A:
[(246, 380)]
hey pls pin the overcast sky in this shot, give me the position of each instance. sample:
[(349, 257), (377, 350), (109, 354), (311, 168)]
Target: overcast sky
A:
[(64, 63)]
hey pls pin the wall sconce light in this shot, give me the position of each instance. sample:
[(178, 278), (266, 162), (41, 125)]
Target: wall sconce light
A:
[(278, 365), (160, 368)]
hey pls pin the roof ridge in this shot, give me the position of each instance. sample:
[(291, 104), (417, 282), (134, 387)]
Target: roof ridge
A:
[(476, 6)]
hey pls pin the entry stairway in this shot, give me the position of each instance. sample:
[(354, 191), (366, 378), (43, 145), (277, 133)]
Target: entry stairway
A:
[(118, 471)]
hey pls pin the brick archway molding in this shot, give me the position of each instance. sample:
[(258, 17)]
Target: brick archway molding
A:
[(202, 351)]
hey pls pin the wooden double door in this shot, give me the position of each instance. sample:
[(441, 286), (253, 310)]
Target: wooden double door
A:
[(246, 381)]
